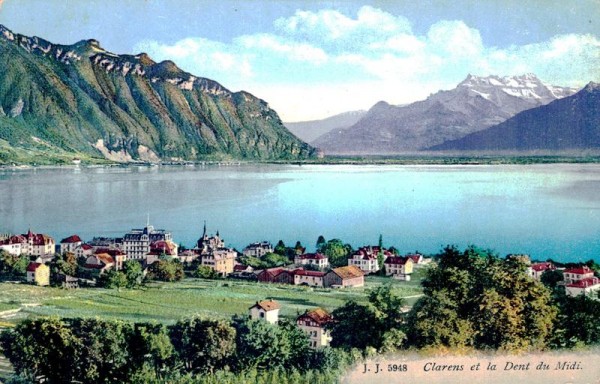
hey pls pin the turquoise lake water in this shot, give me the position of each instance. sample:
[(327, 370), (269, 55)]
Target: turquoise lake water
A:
[(547, 211)]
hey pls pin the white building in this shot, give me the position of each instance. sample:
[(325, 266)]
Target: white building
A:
[(258, 249), (70, 244), (313, 324), (310, 278), (137, 243), (317, 259), (266, 310), (580, 281)]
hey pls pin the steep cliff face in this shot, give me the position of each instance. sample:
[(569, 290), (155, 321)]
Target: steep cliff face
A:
[(83, 99)]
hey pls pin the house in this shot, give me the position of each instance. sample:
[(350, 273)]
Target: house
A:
[(38, 274), (15, 245), (99, 263), (258, 249), (187, 256), (313, 323), (220, 260), (536, 270), (137, 242), (350, 276), (580, 281), (276, 275), (84, 251), (416, 258), (316, 259), (366, 258), (572, 275), (67, 282), (240, 268), (70, 244), (38, 244), (34, 244), (310, 278), (399, 267), (266, 310), (118, 256), (159, 249), (584, 286)]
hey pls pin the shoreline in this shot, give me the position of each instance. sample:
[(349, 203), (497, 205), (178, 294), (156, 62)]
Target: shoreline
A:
[(337, 160)]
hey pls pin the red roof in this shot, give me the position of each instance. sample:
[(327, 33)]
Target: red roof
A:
[(71, 239), (33, 266), (396, 260), (415, 257), (585, 283), (318, 315), (86, 247), (111, 252), (579, 270), (38, 238), (312, 256), (303, 272), (540, 267), (160, 247), (267, 305)]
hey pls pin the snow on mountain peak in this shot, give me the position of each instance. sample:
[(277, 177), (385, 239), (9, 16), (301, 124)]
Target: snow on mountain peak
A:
[(526, 86)]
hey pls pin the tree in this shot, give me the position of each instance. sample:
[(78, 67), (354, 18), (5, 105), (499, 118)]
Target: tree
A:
[(578, 322), (344, 332), (112, 279), (133, 273), (204, 345), (206, 272), (64, 263), (473, 298), (380, 257), (42, 348), (271, 260), (337, 252), (13, 266), (165, 270), (150, 347), (280, 248), (320, 243), (103, 355), (551, 278), (260, 345)]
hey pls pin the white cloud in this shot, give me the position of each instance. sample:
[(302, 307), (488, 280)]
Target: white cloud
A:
[(295, 51), (325, 62)]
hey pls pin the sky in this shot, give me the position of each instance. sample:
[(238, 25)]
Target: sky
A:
[(314, 59)]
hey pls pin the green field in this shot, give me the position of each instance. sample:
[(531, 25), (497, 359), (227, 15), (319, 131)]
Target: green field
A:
[(169, 302)]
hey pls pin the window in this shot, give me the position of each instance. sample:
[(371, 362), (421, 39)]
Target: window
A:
[(262, 314)]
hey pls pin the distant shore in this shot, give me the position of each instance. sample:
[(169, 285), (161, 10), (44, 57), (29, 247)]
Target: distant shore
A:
[(337, 160)]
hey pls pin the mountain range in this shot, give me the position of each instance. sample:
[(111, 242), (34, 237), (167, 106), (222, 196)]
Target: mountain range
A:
[(313, 129), (83, 100), (571, 123), (475, 104)]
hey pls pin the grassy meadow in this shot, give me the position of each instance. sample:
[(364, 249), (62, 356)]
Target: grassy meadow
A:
[(169, 302)]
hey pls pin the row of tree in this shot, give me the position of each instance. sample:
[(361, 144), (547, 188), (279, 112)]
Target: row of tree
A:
[(57, 350)]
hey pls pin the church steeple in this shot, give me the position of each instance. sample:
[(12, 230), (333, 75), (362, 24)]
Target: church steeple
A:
[(204, 231)]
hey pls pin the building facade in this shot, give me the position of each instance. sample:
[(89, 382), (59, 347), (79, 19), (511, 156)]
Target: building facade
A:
[(137, 242), (38, 274), (350, 276), (313, 323), (258, 249), (266, 310), (315, 259)]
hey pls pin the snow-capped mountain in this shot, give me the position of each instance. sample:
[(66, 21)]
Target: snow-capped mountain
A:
[(475, 104), (568, 124)]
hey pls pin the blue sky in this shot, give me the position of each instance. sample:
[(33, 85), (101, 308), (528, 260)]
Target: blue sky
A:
[(312, 59)]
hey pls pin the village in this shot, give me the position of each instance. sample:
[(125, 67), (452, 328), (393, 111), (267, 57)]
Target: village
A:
[(147, 246)]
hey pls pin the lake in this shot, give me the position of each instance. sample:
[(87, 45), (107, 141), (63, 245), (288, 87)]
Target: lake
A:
[(547, 211)]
